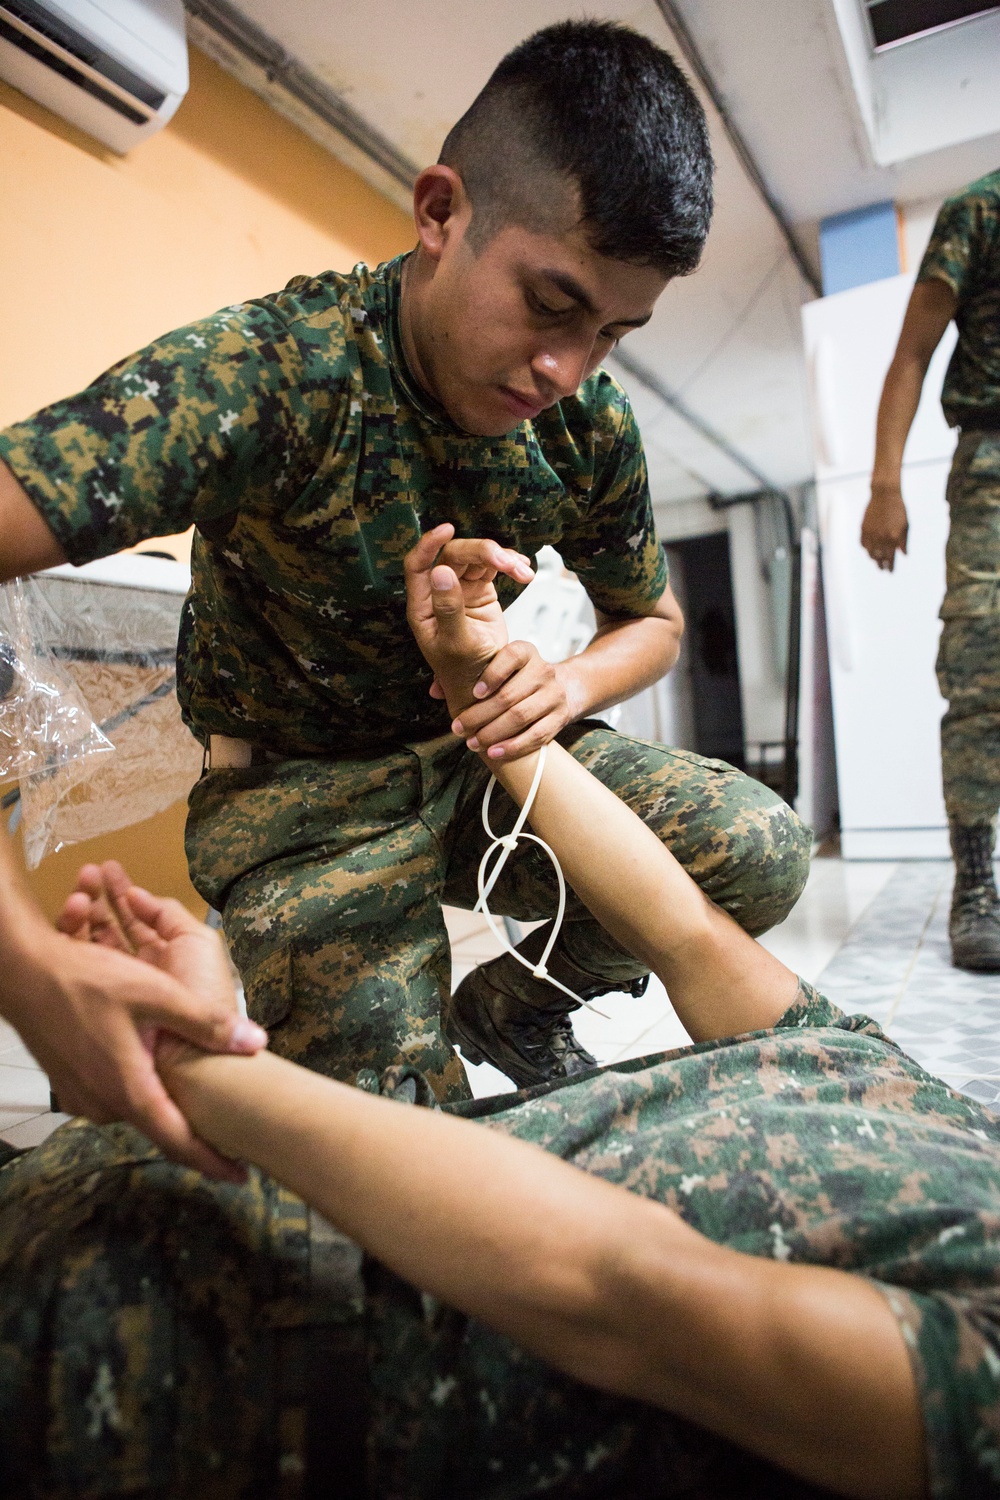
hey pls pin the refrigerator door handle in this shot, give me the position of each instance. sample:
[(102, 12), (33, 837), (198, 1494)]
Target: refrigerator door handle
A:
[(823, 378), (837, 577)]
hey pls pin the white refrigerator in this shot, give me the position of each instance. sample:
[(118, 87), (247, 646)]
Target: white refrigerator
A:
[(882, 628)]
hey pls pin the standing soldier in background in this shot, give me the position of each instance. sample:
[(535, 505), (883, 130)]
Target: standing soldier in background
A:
[(959, 278)]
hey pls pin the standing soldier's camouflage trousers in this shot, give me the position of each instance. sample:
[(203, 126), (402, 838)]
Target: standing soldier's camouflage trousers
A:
[(968, 664), (330, 877)]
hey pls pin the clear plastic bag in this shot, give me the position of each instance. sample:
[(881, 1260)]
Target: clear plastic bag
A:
[(45, 723), (114, 648)]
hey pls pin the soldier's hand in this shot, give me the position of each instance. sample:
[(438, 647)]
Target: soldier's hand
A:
[(91, 1013), (477, 560), (521, 704), (885, 525)]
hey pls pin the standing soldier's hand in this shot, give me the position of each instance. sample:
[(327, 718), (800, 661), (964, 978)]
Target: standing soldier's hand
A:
[(885, 525)]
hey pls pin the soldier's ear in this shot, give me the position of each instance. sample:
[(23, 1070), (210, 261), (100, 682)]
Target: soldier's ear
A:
[(441, 208)]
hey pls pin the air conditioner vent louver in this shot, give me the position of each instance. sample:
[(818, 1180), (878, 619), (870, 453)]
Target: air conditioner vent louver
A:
[(118, 72), (45, 40)]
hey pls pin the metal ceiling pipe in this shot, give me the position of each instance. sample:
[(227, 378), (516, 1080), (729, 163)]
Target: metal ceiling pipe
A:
[(671, 14), (261, 50), (670, 398)]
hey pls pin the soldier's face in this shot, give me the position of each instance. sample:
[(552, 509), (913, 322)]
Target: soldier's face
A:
[(512, 328)]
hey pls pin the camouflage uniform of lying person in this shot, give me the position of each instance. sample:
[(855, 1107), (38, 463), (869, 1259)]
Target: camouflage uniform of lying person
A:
[(777, 1273), (311, 437)]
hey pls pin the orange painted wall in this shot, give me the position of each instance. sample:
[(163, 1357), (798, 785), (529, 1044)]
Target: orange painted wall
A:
[(100, 253)]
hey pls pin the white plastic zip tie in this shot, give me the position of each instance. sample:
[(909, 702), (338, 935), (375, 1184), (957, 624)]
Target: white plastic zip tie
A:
[(504, 844)]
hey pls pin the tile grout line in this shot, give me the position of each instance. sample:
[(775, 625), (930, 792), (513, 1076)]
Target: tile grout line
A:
[(897, 1002)]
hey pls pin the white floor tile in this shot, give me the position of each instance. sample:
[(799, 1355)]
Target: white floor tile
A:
[(837, 893), (8, 1036), (34, 1131), (18, 1056), (23, 1090)]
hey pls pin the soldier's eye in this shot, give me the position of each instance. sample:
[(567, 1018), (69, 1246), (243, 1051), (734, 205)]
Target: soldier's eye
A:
[(542, 308)]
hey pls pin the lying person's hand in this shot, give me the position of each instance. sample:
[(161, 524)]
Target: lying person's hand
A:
[(90, 1012), (109, 909), (508, 700), (457, 621)]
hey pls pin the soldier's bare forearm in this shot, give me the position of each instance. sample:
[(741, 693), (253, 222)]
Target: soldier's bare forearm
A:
[(26, 542), (23, 930), (930, 309), (624, 657), (897, 409)]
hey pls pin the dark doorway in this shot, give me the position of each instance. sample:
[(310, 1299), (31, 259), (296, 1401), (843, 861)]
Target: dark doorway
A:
[(711, 634)]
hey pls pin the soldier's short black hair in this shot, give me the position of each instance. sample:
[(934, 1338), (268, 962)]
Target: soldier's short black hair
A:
[(596, 107)]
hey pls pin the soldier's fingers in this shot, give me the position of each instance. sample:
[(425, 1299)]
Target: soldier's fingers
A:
[(479, 557), (157, 1116), (417, 566), (163, 914), (420, 558), (105, 927), (514, 657), (529, 710), (449, 605), (74, 919), (532, 739)]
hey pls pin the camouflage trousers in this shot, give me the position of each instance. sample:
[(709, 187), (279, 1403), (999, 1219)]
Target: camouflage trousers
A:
[(331, 877), (968, 663), (163, 1335)]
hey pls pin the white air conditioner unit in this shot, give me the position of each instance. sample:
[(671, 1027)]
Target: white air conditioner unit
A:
[(116, 68)]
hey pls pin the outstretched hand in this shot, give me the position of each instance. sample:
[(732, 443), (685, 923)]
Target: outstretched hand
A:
[(456, 620), (126, 970)]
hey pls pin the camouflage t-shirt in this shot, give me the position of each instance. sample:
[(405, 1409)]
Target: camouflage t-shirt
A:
[(817, 1142), (289, 430), (964, 252)]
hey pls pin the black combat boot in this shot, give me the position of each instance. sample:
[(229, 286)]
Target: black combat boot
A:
[(974, 927), (502, 1015)]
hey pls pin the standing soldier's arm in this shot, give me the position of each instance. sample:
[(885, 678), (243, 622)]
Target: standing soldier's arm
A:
[(931, 308)]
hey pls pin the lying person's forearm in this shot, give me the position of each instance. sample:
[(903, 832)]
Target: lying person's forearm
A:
[(801, 1365), (719, 980)]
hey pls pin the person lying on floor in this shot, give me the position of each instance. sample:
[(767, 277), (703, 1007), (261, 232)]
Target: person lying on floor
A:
[(763, 1265)]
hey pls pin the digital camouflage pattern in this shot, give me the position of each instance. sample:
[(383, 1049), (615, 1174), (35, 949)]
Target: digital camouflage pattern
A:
[(331, 879), (968, 663), (964, 252), (159, 1333), (289, 430), (142, 1308)]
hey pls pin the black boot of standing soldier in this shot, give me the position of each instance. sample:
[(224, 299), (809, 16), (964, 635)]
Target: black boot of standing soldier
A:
[(974, 927), (502, 1015)]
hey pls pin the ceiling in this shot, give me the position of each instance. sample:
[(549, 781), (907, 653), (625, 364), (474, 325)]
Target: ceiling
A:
[(726, 340)]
